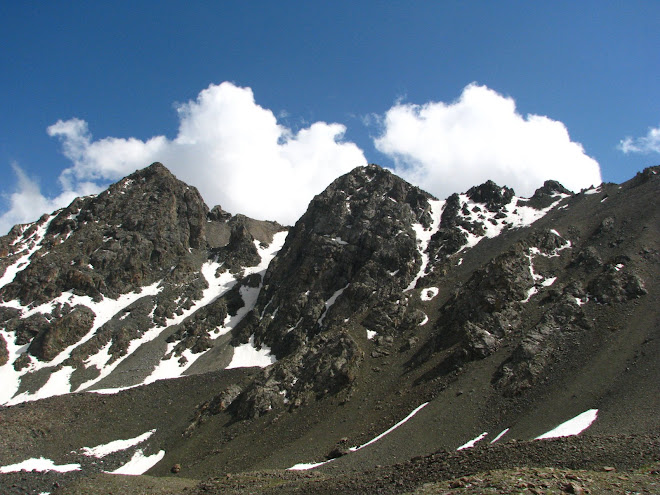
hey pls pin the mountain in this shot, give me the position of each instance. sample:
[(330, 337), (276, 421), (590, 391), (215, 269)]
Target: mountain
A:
[(382, 332)]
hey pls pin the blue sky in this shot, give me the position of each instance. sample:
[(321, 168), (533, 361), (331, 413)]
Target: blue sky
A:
[(328, 85)]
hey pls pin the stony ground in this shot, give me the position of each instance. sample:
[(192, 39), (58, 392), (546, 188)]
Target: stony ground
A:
[(578, 465), (630, 461)]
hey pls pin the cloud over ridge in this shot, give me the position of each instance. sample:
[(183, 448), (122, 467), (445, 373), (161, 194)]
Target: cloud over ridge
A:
[(446, 148), (239, 156), (231, 149)]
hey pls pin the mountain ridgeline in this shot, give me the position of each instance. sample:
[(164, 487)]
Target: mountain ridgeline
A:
[(481, 313)]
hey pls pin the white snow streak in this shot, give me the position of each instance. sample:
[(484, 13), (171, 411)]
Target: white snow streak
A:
[(375, 439), (115, 446), (39, 464), (312, 465), (424, 236), (139, 463), (331, 301), (500, 435), (305, 466), (471, 443)]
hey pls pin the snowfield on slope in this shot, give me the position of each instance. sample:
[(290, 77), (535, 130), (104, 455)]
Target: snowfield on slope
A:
[(219, 282)]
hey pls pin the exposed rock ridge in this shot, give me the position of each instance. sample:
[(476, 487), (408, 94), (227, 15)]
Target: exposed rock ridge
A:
[(354, 249), (147, 230)]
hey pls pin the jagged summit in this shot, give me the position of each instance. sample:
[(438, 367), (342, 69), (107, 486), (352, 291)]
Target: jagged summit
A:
[(480, 316)]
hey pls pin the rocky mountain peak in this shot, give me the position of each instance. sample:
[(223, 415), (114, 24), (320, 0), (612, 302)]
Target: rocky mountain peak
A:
[(109, 244), (491, 195), (384, 318)]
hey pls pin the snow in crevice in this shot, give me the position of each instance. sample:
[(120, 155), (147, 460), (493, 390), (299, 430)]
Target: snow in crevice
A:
[(30, 245), (330, 302), (424, 237), (540, 280), (516, 215), (176, 366), (371, 334), (291, 329)]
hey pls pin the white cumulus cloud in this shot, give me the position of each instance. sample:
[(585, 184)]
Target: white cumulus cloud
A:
[(449, 147), (239, 156), (230, 148), (27, 203), (645, 144)]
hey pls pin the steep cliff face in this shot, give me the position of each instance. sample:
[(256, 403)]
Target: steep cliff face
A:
[(132, 268), (126, 237), (354, 250)]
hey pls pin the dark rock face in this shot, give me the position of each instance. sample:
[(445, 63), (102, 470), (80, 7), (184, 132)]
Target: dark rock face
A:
[(613, 285), (529, 361), (240, 251), (492, 195), (479, 315), (148, 229), (62, 333), (325, 366), (356, 243), (4, 353), (545, 195), (118, 248), (353, 249)]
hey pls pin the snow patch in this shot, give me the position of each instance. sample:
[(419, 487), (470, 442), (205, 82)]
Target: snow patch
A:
[(39, 464), (58, 384), (371, 334), (115, 446), (500, 435), (424, 237), (471, 443), (429, 293), (573, 426), (330, 302), (247, 355), (139, 463)]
